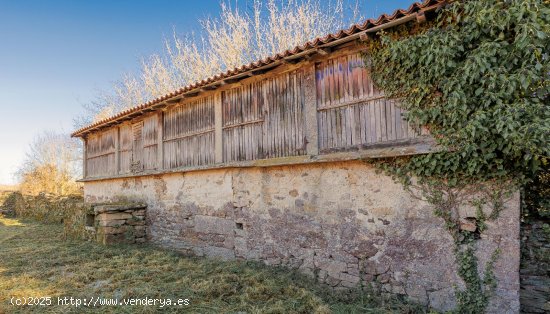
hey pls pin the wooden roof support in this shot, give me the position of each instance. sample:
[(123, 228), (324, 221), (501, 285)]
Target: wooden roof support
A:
[(323, 51), (231, 80), (421, 17), (210, 87), (194, 93), (291, 60), (173, 101), (259, 72)]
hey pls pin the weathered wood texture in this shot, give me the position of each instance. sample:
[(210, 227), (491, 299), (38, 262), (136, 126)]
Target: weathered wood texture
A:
[(100, 148), (150, 138), (189, 134), (125, 154), (256, 119), (352, 111), (264, 119)]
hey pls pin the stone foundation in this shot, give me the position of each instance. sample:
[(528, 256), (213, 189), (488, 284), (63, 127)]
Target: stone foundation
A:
[(340, 222), (119, 223)]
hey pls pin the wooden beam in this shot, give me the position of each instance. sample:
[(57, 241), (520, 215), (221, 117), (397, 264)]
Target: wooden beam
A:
[(117, 150), (231, 80), (421, 17), (210, 87), (193, 93), (311, 140), (173, 100), (292, 60), (160, 141), (323, 51), (218, 125), (84, 157), (421, 145)]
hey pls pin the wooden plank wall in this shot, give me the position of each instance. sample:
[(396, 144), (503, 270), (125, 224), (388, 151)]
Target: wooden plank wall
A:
[(150, 125), (264, 118), (125, 152), (352, 112), (100, 153), (189, 134)]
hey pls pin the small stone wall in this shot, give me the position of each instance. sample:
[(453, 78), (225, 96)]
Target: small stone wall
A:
[(535, 266), (340, 222), (43, 207), (118, 223)]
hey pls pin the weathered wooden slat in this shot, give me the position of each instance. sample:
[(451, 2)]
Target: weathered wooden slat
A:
[(189, 133), (352, 111), (100, 153), (331, 102), (264, 119)]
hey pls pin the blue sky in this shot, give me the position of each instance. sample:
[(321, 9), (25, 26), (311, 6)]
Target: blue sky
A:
[(55, 55)]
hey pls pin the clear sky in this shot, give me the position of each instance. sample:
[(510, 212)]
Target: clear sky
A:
[(55, 55)]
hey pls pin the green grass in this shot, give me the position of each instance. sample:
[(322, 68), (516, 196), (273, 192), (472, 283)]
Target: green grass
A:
[(36, 262)]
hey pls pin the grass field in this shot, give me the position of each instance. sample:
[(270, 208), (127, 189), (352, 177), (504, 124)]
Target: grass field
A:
[(36, 262)]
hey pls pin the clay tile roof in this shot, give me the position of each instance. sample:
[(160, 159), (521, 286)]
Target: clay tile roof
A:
[(310, 45)]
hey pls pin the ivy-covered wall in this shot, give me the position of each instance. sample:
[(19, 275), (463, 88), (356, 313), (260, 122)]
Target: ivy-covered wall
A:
[(477, 76)]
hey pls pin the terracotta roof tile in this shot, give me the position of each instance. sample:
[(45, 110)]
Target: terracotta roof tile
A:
[(313, 44)]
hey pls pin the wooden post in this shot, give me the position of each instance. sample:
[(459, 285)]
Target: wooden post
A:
[(84, 158), (218, 125), (117, 150), (310, 111), (160, 141)]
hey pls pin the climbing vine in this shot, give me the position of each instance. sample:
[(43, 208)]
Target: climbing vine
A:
[(477, 77)]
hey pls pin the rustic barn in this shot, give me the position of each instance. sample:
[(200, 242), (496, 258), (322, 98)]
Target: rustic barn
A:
[(266, 162)]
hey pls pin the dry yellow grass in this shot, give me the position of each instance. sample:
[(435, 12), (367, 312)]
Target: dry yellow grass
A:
[(8, 188), (36, 262)]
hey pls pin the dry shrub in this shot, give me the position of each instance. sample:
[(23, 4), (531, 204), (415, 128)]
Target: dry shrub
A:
[(51, 165), (43, 207), (233, 39)]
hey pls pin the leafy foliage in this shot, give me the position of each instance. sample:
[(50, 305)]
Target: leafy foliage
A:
[(477, 77), (537, 195), (479, 81)]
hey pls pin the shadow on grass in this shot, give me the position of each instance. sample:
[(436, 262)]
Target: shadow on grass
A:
[(35, 261)]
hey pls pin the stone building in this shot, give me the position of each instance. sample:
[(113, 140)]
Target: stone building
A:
[(268, 162)]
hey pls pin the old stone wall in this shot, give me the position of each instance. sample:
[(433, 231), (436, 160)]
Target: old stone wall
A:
[(43, 207), (341, 222), (119, 223), (535, 266)]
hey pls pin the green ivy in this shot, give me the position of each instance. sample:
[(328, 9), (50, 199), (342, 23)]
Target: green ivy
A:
[(479, 81), (477, 77), (537, 195)]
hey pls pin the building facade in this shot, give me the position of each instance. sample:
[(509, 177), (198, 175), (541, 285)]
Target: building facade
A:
[(269, 162)]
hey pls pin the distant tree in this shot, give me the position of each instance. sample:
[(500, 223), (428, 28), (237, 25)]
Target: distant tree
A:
[(51, 165), (233, 39)]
